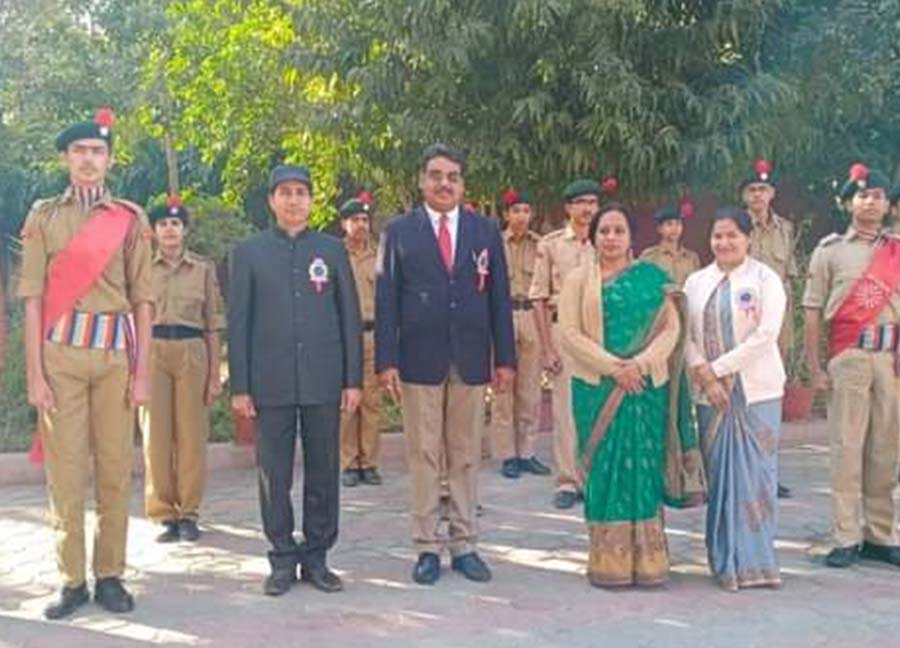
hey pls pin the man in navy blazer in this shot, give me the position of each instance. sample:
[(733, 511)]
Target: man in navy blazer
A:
[(443, 331)]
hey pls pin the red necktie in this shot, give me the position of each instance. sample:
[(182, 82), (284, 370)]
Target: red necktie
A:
[(445, 243)]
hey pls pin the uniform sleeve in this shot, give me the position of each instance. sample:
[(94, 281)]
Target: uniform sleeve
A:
[(792, 269), (540, 280), (818, 280), (34, 256), (213, 310), (138, 262), (501, 310)]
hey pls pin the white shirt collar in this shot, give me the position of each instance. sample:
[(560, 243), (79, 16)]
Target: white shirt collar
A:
[(435, 216)]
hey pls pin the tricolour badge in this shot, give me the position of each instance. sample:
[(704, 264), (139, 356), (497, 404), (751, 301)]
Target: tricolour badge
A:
[(318, 274)]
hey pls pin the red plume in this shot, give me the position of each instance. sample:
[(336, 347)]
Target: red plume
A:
[(763, 168), (510, 197), (174, 201), (105, 117), (686, 208), (859, 171), (470, 206), (364, 197), (610, 185)]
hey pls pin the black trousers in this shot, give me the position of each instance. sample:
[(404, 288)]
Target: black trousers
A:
[(276, 432)]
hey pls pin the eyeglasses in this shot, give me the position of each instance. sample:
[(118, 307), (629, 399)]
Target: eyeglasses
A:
[(454, 177)]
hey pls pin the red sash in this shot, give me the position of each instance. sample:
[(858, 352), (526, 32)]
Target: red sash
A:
[(79, 265), (867, 297), (74, 270)]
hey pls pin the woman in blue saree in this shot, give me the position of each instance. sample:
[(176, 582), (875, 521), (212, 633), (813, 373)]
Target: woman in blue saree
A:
[(735, 309), (637, 440)]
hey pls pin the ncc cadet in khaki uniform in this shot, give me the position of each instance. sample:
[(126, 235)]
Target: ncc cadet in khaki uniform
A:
[(88, 309), (557, 254), (515, 412), (185, 374), (772, 242), (669, 254), (854, 283), (360, 437)]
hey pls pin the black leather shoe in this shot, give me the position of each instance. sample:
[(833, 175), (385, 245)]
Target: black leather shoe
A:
[(170, 532), (510, 468), (427, 569), (784, 492), (841, 557), (188, 530), (534, 466), (112, 595), (322, 578), (370, 477), (70, 599), (871, 551), (350, 477), (565, 499), (279, 581), (472, 567)]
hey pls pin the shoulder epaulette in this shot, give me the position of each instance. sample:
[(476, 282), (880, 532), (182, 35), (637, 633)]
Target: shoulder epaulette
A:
[(137, 209), (555, 234), (832, 238)]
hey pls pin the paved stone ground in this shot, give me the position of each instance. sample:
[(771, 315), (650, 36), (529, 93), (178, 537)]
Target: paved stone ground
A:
[(208, 594)]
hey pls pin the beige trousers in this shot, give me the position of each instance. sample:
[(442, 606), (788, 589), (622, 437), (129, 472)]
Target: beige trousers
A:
[(92, 417), (864, 429), (175, 447), (568, 476), (443, 426), (515, 413), (360, 437)]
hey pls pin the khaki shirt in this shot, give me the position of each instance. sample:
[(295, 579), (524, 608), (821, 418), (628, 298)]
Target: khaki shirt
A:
[(836, 264), (49, 227), (773, 244), (363, 265), (521, 254), (678, 264), (558, 253), (187, 292)]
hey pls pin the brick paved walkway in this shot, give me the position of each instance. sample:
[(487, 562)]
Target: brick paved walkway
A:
[(208, 594)]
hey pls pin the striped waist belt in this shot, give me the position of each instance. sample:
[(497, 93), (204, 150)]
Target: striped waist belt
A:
[(880, 337), (109, 331)]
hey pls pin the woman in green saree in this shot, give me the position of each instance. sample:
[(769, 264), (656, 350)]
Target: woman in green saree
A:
[(637, 438)]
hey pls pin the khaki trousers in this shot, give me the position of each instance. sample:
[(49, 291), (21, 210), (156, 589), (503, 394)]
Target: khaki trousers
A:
[(175, 447), (92, 417), (568, 476), (515, 413), (360, 436), (443, 426), (864, 429)]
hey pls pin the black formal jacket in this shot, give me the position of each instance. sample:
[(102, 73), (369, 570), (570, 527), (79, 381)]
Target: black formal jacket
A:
[(294, 328), (427, 319)]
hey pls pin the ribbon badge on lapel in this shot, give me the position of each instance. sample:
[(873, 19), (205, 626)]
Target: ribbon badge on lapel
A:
[(748, 302), (482, 268), (318, 274)]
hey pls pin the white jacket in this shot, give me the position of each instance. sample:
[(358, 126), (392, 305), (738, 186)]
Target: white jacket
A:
[(758, 304)]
